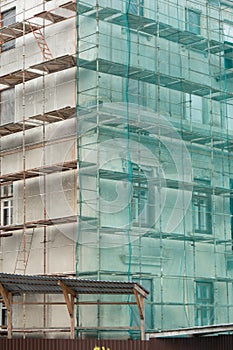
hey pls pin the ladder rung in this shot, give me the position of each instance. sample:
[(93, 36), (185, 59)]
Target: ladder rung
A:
[(41, 42)]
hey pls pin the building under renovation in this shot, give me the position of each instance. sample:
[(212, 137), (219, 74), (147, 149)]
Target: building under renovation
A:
[(116, 124)]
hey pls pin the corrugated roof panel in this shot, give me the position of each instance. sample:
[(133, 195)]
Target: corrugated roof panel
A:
[(19, 284)]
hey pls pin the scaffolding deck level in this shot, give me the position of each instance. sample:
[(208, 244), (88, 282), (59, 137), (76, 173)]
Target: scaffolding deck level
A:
[(38, 70), (155, 78), (8, 230), (38, 120), (112, 124), (143, 24), (109, 67), (14, 31), (40, 171)]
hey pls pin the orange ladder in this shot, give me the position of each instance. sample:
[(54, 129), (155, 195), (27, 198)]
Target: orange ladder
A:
[(41, 42), (24, 252)]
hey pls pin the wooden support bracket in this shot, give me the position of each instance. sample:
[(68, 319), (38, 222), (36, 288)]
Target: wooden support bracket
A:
[(7, 298), (69, 296), (140, 305)]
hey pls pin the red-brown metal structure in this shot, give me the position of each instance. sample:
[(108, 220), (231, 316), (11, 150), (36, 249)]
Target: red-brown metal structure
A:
[(194, 343)]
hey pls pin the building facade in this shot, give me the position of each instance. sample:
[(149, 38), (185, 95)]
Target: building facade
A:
[(116, 142)]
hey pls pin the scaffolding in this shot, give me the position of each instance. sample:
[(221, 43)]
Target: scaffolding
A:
[(118, 147)]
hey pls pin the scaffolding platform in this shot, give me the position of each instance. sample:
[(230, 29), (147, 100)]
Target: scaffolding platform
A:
[(158, 182), (53, 17), (227, 74), (38, 70), (152, 27), (116, 17), (142, 24), (9, 229), (18, 77), (15, 30), (44, 170), (80, 10), (56, 65), (38, 120), (151, 77)]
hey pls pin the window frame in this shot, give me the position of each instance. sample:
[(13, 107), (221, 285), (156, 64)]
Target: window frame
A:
[(228, 62), (141, 215), (7, 204), (3, 320), (231, 210), (4, 120), (136, 7), (134, 92), (191, 110), (190, 26), (228, 44), (214, 3), (8, 45), (140, 193), (204, 305), (202, 215)]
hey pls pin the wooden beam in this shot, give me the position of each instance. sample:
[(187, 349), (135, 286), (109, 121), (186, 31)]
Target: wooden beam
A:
[(72, 323), (142, 321), (66, 291), (138, 301), (70, 305), (5, 296), (140, 305), (140, 291), (9, 317)]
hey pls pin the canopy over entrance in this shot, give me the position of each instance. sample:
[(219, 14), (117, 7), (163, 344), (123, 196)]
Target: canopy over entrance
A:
[(71, 287)]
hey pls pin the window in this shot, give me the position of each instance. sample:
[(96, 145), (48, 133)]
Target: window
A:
[(193, 108), (7, 106), (136, 7), (8, 17), (139, 203), (193, 21), (6, 204), (140, 197), (231, 209), (213, 2), (228, 45), (204, 303), (228, 55), (202, 209), (135, 92), (3, 319)]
